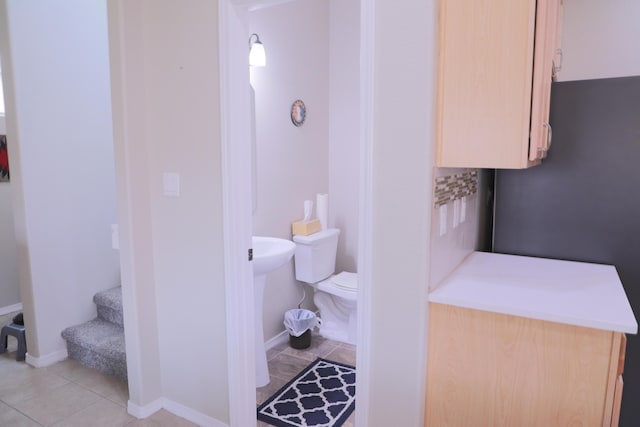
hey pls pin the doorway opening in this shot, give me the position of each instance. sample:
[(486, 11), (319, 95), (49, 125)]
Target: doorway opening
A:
[(313, 53)]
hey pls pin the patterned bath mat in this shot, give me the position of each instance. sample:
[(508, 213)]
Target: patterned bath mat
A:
[(322, 395)]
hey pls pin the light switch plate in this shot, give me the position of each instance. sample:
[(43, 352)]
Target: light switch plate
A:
[(443, 220), (463, 209), (456, 213), (171, 184), (115, 236)]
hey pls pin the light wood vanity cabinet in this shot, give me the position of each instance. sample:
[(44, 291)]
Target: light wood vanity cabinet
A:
[(495, 65), (489, 369)]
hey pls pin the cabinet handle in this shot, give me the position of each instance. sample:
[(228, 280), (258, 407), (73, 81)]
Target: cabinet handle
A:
[(558, 68), (549, 138)]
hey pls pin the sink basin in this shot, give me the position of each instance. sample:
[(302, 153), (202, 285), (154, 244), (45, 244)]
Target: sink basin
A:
[(270, 253)]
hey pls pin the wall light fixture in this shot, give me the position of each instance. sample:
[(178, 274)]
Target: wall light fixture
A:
[(257, 57)]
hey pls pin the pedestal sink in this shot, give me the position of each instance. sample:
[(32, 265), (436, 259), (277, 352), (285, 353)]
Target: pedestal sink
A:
[(269, 253)]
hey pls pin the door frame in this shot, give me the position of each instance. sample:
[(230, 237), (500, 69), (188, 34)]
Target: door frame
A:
[(234, 104)]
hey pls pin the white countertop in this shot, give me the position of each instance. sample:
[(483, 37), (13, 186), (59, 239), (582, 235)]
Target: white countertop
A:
[(575, 293)]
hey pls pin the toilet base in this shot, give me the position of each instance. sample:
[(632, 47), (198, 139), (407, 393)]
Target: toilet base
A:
[(336, 334), (339, 317)]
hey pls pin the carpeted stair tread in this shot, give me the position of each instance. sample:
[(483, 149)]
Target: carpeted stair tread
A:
[(99, 343), (98, 336), (109, 305), (111, 298)]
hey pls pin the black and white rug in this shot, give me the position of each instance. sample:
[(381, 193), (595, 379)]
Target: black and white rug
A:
[(322, 395)]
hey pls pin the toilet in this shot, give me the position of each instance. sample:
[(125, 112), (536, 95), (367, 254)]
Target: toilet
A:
[(335, 295)]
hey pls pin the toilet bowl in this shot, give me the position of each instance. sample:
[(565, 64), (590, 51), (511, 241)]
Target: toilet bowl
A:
[(335, 295), (338, 306)]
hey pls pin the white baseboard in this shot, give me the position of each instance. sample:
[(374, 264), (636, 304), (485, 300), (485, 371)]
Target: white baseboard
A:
[(191, 415), (10, 309), (281, 338), (141, 412), (49, 359), (175, 408)]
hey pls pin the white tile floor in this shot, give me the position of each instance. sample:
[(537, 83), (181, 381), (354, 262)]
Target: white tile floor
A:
[(68, 394)]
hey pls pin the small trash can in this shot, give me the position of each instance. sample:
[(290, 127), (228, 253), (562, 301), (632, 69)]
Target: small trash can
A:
[(301, 342), (299, 322)]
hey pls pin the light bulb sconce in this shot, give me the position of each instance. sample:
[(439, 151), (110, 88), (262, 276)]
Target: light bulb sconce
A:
[(257, 57)]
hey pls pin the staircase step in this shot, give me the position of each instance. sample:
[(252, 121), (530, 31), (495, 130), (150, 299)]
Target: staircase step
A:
[(98, 344), (109, 305)]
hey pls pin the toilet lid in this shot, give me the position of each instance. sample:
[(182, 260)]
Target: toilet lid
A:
[(345, 280)]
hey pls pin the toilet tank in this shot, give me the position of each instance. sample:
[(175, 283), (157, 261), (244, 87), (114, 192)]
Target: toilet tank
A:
[(315, 256)]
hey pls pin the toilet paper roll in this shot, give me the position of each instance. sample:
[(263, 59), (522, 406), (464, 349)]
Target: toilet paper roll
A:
[(322, 209)]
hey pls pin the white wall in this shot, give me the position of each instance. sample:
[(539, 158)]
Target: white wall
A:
[(126, 45), (600, 39), (9, 283), (167, 119), (62, 163), (402, 154), (292, 162), (344, 127)]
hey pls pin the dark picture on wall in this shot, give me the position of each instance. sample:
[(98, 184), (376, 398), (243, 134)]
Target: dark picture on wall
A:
[(4, 159)]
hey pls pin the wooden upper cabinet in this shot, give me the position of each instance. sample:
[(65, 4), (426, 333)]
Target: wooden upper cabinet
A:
[(545, 65), (494, 81)]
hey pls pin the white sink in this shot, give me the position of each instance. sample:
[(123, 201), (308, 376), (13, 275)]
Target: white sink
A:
[(269, 254)]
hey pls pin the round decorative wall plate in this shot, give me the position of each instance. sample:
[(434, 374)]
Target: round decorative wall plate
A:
[(298, 113)]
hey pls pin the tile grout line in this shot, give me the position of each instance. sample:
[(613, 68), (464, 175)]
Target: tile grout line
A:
[(68, 381), (79, 410), (98, 396), (93, 391), (20, 412), (26, 415)]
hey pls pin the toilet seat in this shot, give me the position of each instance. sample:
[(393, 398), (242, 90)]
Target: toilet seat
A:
[(347, 281), (343, 285)]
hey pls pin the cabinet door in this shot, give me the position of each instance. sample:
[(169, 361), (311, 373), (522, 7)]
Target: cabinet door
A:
[(548, 23), (488, 369), (484, 82)]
